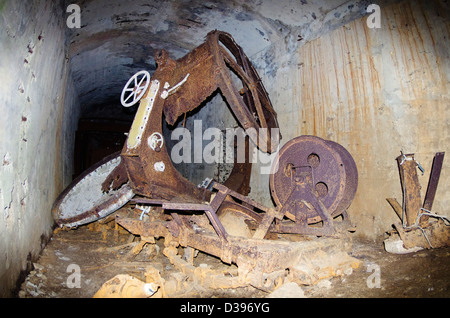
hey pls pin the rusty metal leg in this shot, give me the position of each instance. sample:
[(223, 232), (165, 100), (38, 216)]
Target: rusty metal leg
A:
[(263, 227), (209, 211), (411, 188), (418, 228), (301, 226), (434, 180)]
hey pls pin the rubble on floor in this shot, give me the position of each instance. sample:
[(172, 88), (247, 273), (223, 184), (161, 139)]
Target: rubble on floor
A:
[(77, 263)]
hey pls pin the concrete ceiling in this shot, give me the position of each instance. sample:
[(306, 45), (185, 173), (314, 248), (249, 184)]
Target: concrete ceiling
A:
[(118, 38)]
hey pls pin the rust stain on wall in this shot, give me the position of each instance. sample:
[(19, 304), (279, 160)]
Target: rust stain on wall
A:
[(378, 91)]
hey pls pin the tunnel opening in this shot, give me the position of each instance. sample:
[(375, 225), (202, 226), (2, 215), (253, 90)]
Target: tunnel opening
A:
[(101, 131)]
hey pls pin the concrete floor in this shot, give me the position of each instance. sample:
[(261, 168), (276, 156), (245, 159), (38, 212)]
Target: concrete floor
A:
[(93, 252)]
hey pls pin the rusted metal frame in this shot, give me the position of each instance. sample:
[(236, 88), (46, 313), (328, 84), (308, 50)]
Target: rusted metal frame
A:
[(302, 226), (430, 193), (264, 221), (244, 62), (327, 228), (145, 200), (140, 160), (208, 209), (211, 210), (216, 203), (239, 178), (411, 188), (116, 178), (436, 234), (265, 224), (247, 90), (114, 200), (207, 242), (254, 255), (415, 228), (229, 204), (151, 185), (228, 42), (227, 191), (267, 217), (204, 276), (235, 67), (226, 86), (237, 104), (261, 263), (181, 222), (434, 180), (249, 82), (253, 88), (201, 66), (332, 171), (301, 229), (262, 99), (147, 229)]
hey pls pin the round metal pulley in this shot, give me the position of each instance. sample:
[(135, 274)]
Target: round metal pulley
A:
[(324, 168), (351, 175)]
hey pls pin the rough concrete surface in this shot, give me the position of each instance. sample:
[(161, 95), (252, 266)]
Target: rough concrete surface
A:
[(375, 91), (99, 252)]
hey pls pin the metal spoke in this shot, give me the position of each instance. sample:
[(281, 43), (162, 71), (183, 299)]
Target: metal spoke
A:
[(133, 93)]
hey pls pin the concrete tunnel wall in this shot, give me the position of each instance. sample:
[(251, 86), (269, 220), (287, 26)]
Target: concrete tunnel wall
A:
[(38, 104), (375, 91)]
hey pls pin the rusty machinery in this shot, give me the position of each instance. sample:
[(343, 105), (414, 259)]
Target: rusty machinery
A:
[(312, 180), (418, 227)]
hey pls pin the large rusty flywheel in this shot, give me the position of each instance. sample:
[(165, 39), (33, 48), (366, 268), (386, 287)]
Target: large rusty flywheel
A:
[(309, 165)]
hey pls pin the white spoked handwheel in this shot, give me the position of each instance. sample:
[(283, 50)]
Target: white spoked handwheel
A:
[(135, 88)]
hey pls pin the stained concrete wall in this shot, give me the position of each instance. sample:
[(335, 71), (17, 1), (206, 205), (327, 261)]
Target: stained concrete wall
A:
[(375, 91), (38, 103)]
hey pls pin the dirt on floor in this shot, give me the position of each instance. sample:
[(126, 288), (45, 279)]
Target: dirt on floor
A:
[(76, 263)]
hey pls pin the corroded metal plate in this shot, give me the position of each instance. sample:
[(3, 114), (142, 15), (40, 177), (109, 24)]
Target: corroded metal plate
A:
[(83, 201)]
